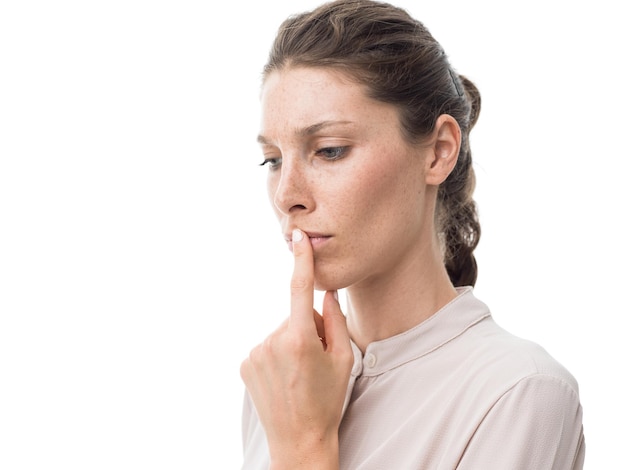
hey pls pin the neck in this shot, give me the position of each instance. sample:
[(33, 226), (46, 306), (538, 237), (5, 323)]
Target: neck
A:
[(396, 301)]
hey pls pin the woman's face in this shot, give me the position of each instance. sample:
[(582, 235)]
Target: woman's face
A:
[(340, 170)]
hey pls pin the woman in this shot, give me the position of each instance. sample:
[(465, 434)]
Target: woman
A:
[(365, 133)]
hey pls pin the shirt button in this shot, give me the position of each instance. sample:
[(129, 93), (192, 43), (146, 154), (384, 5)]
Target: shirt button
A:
[(370, 360)]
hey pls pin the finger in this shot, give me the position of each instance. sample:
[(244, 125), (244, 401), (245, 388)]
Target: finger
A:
[(319, 326), (302, 281), (335, 327)]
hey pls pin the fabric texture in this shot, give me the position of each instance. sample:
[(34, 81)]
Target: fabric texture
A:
[(455, 392)]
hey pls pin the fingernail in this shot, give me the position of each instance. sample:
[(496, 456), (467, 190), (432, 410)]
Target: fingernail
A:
[(296, 236), (336, 296)]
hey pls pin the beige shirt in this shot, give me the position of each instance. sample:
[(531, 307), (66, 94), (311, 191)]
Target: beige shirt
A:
[(455, 392)]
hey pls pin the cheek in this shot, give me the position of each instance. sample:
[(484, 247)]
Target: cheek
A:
[(386, 196), (381, 182), (354, 203)]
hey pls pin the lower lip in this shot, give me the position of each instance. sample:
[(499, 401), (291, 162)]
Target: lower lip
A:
[(316, 242)]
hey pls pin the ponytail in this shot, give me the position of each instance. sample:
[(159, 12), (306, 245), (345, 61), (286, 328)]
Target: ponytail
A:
[(457, 215)]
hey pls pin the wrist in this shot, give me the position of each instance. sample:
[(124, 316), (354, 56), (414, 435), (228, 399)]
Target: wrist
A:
[(316, 454)]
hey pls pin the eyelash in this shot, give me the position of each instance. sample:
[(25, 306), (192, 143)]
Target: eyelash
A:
[(273, 162), (337, 152), (328, 153)]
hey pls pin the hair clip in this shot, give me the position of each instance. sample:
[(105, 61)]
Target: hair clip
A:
[(455, 80)]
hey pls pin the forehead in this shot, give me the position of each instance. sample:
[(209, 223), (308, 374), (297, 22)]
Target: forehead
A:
[(305, 77), (298, 97)]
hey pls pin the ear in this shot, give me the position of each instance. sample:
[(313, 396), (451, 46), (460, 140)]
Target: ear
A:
[(445, 146)]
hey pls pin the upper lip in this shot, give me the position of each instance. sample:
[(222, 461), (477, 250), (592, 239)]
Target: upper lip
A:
[(309, 234)]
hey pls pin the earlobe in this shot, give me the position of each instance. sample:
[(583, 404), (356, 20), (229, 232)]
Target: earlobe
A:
[(445, 150)]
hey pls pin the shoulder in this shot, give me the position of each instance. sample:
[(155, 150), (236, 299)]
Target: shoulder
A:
[(489, 362), (527, 407), (478, 339), (494, 351), (535, 423), (477, 353)]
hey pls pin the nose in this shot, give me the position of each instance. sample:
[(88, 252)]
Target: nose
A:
[(291, 191)]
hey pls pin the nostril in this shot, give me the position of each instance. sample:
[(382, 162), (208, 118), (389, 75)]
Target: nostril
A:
[(297, 207)]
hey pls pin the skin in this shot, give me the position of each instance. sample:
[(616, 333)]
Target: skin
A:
[(361, 201)]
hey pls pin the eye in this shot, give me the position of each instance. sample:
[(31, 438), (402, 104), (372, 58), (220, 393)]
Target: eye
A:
[(273, 163), (332, 153)]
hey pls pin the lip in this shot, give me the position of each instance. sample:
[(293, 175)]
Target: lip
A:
[(316, 239)]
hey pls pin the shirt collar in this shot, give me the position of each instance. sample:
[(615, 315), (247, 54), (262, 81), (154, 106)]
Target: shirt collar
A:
[(452, 320)]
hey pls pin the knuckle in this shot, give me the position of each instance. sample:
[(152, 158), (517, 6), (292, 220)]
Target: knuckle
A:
[(244, 370), (256, 356), (300, 284), (347, 358), (300, 345), (269, 348), (268, 345), (344, 357), (297, 343)]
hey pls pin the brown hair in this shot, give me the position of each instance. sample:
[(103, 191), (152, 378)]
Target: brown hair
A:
[(396, 58)]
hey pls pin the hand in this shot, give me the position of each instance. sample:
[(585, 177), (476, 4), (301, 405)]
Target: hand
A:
[(297, 378)]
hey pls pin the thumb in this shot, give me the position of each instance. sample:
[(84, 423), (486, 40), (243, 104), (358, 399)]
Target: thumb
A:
[(335, 327)]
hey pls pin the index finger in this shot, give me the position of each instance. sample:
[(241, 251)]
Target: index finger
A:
[(302, 282)]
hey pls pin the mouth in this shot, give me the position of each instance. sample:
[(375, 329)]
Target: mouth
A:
[(316, 239)]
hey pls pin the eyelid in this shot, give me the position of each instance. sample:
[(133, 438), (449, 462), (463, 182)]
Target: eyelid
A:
[(328, 152), (272, 162), (340, 149)]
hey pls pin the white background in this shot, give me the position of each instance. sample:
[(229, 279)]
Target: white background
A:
[(139, 260)]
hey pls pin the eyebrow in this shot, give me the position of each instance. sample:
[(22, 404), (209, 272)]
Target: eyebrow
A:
[(307, 131)]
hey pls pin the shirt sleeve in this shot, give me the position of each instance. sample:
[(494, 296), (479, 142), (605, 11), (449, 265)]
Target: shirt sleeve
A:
[(255, 450), (536, 424)]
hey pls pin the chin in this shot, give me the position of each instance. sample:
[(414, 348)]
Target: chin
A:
[(325, 281), (324, 287)]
